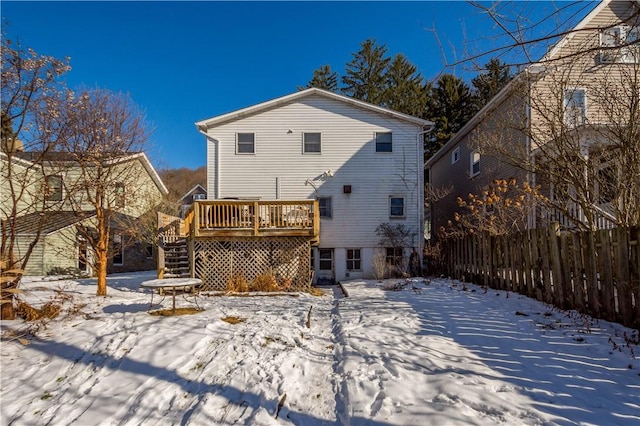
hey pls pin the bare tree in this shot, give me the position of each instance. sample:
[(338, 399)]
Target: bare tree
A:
[(29, 82), (104, 137), (569, 121)]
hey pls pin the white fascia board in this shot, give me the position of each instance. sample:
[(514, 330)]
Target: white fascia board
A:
[(241, 113)]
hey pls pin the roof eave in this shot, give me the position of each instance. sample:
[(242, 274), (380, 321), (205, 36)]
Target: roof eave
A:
[(203, 125)]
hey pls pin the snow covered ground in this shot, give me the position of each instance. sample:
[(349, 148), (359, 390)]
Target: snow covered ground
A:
[(433, 353)]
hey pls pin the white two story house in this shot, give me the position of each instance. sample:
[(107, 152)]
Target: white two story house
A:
[(362, 163)]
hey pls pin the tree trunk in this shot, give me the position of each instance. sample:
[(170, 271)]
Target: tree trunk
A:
[(101, 271), (8, 312)]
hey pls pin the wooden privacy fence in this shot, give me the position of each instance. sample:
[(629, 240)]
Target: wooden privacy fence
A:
[(596, 273)]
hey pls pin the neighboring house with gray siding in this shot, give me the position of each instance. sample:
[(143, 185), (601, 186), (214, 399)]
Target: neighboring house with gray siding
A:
[(362, 162), (570, 104)]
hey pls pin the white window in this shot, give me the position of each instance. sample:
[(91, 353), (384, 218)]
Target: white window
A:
[(384, 142), (354, 262), (575, 107), (455, 155), (396, 206), (197, 197), (394, 256), (620, 45), (53, 188), (474, 161), (324, 204), (118, 255), (606, 183), (311, 143), (245, 143), (120, 194), (326, 259)]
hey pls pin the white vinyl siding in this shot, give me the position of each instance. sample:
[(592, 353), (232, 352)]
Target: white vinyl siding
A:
[(348, 149)]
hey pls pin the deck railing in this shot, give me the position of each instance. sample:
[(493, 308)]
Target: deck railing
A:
[(243, 217)]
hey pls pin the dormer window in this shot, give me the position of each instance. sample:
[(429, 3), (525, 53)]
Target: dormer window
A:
[(620, 45)]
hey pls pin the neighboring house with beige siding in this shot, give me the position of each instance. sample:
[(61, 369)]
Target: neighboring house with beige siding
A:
[(564, 124), (48, 210), (363, 163)]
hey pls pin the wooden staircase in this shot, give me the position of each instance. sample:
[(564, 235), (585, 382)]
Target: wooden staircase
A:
[(173, 254), (176, 259)]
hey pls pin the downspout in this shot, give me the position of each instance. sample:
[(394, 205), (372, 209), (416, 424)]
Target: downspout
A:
[(420, 194), (217, 165)]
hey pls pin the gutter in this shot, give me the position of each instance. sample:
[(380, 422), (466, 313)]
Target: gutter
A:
[(420, 195)]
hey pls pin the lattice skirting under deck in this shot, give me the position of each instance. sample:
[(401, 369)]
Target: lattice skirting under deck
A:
[(216, 261)]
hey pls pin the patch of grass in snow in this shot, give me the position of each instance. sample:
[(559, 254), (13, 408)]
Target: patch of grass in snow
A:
[(233, 320), (315, 291), (177, 312), (46, 396)]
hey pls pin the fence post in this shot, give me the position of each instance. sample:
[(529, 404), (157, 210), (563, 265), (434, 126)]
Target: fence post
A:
[(605, 249), (634, 248), (589, 258), (556, 265), (623, 282), (578, 274)]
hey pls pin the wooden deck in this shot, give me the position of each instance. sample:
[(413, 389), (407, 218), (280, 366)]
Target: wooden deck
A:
[(231, 218)]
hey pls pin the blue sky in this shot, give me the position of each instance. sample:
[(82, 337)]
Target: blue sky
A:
[(182, 62)]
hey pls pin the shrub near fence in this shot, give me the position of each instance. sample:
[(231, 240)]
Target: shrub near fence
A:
[(596, 273)]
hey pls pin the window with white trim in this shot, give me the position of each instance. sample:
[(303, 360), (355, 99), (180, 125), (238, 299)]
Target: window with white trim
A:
[(620, 45), (246, 143), (384, 142), (455, 155), (120, 194), (326, 259), (324, 204), (53, 188), (606, 183), (396, 207), (474, 161), (354, 261), (312, 143), (118, 255), (575, 107), (394, 256)]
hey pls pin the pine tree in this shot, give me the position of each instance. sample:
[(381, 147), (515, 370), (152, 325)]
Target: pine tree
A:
[(487, 84), (451, 106), (404, 88), (365, 77), (324, 78)]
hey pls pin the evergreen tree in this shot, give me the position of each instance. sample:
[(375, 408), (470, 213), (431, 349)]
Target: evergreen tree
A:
[(324, 78), (451, 106), (404, 88), (487, 84), (365, 77)]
